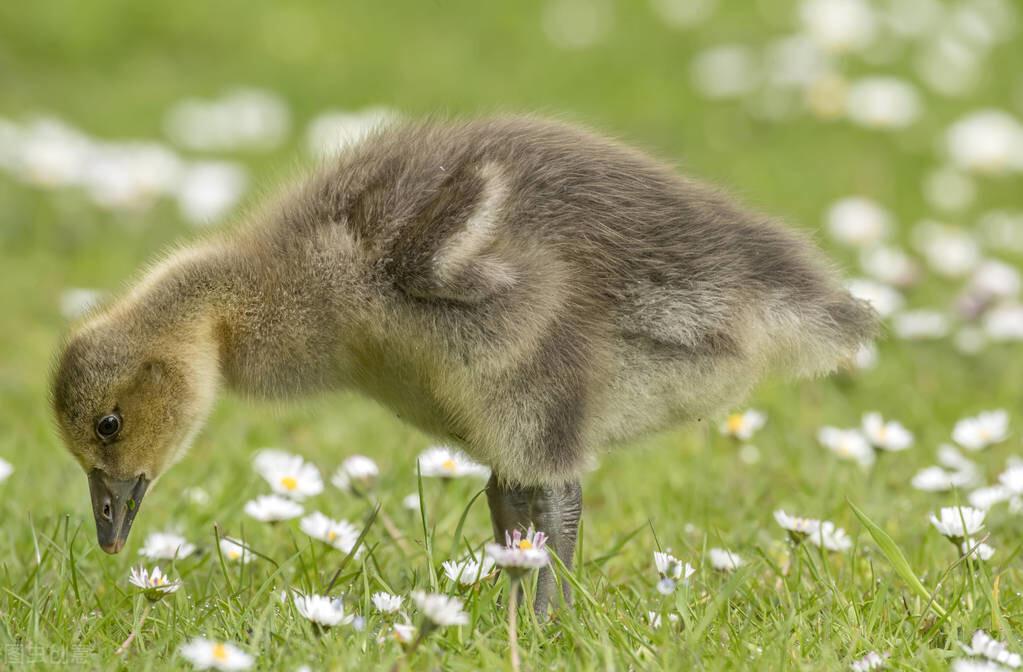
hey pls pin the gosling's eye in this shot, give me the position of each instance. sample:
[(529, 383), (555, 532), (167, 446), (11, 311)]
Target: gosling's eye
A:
[(108, 426)]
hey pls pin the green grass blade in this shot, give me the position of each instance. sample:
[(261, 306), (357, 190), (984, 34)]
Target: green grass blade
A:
[(897, 559)]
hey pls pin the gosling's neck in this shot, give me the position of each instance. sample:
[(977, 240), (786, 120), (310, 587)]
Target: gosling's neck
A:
[(250, 321)]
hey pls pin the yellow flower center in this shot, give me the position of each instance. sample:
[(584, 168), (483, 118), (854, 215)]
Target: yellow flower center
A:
[(331, 535), (448, 464), (734, 423), (233, 554), (159, 581), (289, 482), (525, 545), (220, 652)]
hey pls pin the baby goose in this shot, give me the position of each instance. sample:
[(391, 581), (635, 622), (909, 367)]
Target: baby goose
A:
[(524, 289)]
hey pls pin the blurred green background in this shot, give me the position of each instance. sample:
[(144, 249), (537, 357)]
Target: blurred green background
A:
[(113, 69)]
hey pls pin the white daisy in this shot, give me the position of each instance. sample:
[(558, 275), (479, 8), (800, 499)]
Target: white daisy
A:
[(882, 298), (983, 430), (671, 570), (520, 552), (848, 444), (988, 142), (469, 570), (655, 619), (1004, 323), (830, 537), (358, 472), (889, 265), (273, 508), (440, 610), (951, 251), (798, 528), (340, 534), (949, 456), (386, 603), (985, 498), (411, 502), (957, 523), (920, 325), (331, 132), (724, 560), (322, 610), (839, 26), (205, 654), (743, 425), (978, 550), (234, 551), (1012, 479), (870, 662), (209, 190), (155, 585), (75, 302), (936, 479), (890, 435), (166, 546), (292, 477), (858, 221), (240, 119), (972, 665), (995, 279), (984, 646), (883, 103), (6, 469), (443, 462), (403, 633)]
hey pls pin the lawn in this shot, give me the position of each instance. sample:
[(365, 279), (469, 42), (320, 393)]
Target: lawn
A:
[(112, 69)]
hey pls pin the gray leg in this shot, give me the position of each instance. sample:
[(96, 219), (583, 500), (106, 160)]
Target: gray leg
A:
[(553, 510)]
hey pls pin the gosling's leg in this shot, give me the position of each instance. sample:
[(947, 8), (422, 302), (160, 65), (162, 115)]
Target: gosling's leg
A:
[(553, 510)]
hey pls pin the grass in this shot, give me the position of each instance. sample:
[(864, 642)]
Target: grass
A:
[(112, 68)]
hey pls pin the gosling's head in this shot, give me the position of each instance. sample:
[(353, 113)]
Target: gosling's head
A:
[(128, 405)]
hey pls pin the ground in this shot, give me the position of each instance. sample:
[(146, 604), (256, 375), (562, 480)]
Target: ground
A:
[(112, 68)]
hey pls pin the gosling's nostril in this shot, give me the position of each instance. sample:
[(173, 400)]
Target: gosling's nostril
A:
[(106, 510)]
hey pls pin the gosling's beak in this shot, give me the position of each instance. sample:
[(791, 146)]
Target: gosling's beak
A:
[(114, 505)]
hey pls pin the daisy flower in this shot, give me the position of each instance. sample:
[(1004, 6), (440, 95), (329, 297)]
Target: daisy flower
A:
[(978, 550), (386, 603), (440, 610), (291, 476), (521, 552), (340, 534), (155, 585), (724, 560), (798, 528), (872, 661), (358, 473), (830, 537), (858, 221), (469, 571), (743, 426), (1012, 479), (322, 610), (411, 502), (5, 470), (671, 570), (443, 462), (403, 633), (166, 546), (985, 498), (890, 435), (205, 654), (958, 522), (983, 430), (655, 619), (984, 646), (972, 665), (232, 550), (273, 508), (936, 479), (848, 444)]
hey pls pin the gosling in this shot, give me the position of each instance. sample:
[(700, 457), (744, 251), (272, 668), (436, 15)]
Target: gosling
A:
[(524, 289)]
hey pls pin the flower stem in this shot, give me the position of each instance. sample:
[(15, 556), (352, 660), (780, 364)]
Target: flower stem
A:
[(135, 631), (513, 616)]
